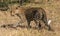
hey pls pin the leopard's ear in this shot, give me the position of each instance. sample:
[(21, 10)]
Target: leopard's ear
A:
[(49, 21)]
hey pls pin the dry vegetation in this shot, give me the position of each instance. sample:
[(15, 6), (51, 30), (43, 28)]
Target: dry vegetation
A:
[(52, 11)]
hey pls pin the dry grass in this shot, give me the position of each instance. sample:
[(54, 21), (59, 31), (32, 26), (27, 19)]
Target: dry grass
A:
[(52, 11)]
